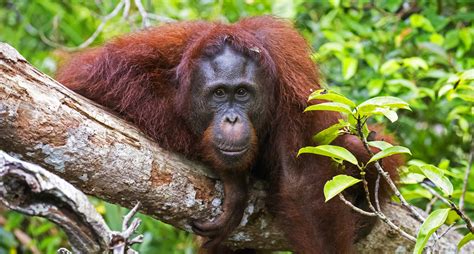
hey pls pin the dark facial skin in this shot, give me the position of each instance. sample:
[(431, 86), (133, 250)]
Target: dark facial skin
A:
[(226, 102)]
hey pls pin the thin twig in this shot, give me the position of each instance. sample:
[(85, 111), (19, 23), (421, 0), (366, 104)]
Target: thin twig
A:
[(463, 216), (466, 178), (143, 13), (92, 38), (438, 237), (160, 18), (377, 187), (381, 215), (126, 9), (446, 231), (386, 176), (26, 241), (453, 206), (367, 192), (355, 208), (430, 204), (129, 215)]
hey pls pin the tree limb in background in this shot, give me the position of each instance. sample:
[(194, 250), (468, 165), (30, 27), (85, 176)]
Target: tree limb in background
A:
[(32, 190), (102, 155)]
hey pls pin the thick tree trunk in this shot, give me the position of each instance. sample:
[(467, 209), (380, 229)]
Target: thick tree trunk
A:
[(44, 123)]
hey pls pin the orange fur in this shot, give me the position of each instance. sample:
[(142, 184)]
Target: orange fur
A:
[(146, 78)]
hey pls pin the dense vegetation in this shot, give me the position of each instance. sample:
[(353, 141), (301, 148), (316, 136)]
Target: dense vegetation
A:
[(422, 53)]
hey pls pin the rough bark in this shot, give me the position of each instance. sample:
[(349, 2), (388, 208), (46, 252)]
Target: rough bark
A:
[(32, 190), (44, 123)]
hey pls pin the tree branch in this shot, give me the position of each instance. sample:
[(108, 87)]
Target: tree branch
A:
[(102, 155), (32, 190)]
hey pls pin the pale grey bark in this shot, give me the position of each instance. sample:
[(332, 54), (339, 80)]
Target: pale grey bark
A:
[(32, 190), (102, 155)]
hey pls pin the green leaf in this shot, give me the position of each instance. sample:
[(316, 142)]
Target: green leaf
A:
[(416, 193), (402, 82), (385, 101), (338, 184), (382, 105), (467, 75), (417, 20), (324, 94), (330, 47), (390, 67), (373, 61), (375, 86), (330, 106), (411, 178), (327, 135), (415, 63), (349, 67), (452, 39), (431, 224), (335, 3), (390, 114), (388, 152), (466, 37), (437, 176), (380, 144), (437, 39), (467, 238), (445, 89), (336, 152)]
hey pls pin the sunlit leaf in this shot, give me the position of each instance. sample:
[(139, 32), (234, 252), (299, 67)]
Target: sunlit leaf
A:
[(445, 89), (402, 82), (338, 184), (466, 37), (327, 135), (418, 21), (416, 193), (388, 152), (451, 39), (375, 86), (335, 3), (382, 105), (431, 224), (468, 75), (390, 67), (349, 67), (323, 94), (390, 114), (329, 47), (415, 63), (373, 60), (437, 39), (437, 176), (467, 238), (380, 144), (336, 152), (412, 178), (330, 106)]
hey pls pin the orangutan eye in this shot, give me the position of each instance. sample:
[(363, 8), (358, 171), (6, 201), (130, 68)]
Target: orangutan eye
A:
[(219, 93), (241, 92)]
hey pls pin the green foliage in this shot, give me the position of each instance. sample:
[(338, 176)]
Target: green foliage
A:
[(157, 236), (337, 153), (337, 185), (429, 226), (365, 49), (410, 58), (435, 175), (467, 238), (389, 151), (327, 135)]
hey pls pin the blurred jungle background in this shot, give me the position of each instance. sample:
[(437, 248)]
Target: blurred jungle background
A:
[(413, 50)]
